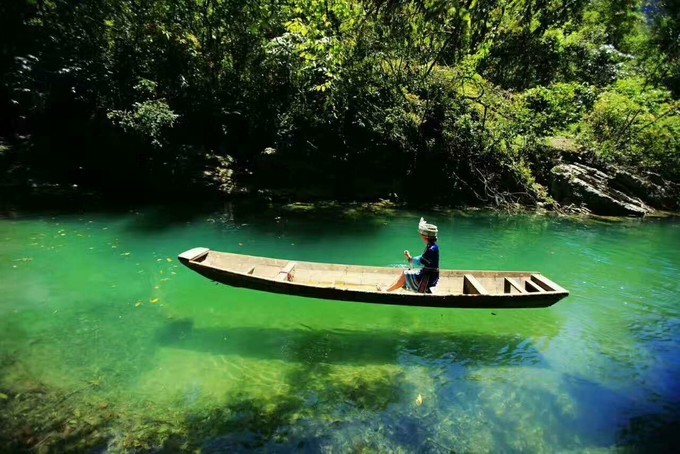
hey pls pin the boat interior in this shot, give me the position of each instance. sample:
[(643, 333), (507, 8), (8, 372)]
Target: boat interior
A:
[(365, 278)]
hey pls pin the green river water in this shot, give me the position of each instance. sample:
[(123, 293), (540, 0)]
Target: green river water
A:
[(107, 343)]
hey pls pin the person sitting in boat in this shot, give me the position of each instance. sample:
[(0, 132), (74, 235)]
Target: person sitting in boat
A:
[(426, 277)]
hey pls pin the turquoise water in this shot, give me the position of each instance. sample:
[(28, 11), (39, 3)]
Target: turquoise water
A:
[(107, 342)]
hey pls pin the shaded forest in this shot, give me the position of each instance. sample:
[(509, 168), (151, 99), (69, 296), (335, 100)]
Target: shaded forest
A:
[(459, 102)]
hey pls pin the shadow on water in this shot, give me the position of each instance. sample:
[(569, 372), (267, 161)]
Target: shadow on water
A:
[(652, 432), (309, 346), (657, 429), (643, 426)]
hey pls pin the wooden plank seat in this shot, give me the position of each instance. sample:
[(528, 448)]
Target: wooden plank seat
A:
[(530, 286), (471, 286), (511, 285), (545, 283), (286, 273)]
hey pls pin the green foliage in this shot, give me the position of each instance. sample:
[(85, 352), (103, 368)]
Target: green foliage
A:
[(358, 98), (636, 126), (664, 54), (554, 108), (147, 118)]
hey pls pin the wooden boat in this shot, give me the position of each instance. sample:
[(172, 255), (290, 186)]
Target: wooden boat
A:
[(461, 289)]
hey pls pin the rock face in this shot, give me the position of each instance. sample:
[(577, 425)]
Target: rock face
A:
[(599, 192), (650, 188)]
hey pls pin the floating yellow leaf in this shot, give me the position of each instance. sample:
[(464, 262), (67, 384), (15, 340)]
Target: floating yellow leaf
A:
[(125, 253), (155, 300), (419, 400), (138, 303), (169, 259)]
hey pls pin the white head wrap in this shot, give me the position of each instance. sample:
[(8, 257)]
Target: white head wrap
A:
[(429, 230)]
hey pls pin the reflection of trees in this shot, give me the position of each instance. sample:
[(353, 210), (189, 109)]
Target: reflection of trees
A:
[(162, 218)]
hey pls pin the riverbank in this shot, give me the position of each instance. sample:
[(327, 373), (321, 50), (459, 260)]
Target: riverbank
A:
[(59, 199), (569, 182)]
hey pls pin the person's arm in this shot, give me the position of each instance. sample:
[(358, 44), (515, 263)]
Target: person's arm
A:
[(424, 260), (412, 260)]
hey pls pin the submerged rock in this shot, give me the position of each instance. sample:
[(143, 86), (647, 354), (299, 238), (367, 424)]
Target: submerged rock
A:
[(599, 192)]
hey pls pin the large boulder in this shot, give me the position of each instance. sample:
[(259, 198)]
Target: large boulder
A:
[(583, 186), (650, 188)]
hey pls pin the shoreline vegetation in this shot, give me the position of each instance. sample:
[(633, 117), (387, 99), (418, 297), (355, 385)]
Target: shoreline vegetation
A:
[(57, 198), (563, 105), (263, 203)]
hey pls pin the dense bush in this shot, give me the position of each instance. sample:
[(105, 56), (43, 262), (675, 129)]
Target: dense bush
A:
[(553, 109), (637, 126)]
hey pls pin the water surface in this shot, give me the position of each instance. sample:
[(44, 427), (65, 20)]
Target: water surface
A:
[(106, 341)]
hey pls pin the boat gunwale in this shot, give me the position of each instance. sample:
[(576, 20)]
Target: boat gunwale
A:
[(276, 282), (302, 262)]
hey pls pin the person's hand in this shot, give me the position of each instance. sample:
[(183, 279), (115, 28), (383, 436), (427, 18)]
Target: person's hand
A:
[(407, 254)]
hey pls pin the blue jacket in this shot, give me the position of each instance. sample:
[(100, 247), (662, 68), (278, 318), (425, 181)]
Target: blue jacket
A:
[(429, 260)]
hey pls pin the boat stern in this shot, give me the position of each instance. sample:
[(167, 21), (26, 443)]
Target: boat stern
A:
[(192, 254)]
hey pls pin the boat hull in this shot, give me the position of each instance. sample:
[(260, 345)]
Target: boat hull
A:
[(537, 299)]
